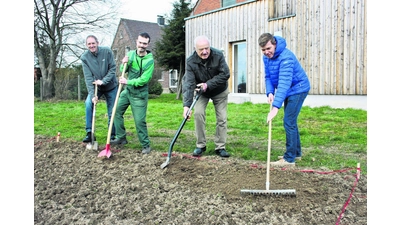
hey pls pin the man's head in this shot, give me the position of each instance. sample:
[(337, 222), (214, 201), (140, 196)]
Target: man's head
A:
[(142, 42), (92, 43), (267, 43), (202, 46)]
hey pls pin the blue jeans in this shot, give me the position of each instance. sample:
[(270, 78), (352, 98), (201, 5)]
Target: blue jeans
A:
[(292, 107), (110, 100)]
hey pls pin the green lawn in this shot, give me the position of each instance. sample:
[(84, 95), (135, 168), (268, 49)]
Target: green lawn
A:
[(331, 138)]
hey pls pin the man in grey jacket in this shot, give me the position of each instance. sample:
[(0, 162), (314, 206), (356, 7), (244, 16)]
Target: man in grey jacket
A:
[(99, 68), (207, 68)]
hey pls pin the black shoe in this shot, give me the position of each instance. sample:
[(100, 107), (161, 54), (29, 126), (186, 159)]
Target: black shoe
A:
[(222, 152), (119, 141), (112, 137), (199, 151), (88, 137)]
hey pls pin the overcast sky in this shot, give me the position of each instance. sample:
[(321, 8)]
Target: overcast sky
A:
[(146, 10), (141, 10)]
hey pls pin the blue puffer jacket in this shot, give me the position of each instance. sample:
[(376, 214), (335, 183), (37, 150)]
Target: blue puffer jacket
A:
[(284, 74)]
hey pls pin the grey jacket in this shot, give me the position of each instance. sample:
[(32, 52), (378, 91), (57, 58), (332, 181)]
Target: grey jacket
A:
[(99, 67), (214, 72)]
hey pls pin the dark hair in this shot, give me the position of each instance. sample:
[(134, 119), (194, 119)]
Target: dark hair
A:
[(92, 36), (265, 38), (145, 35)]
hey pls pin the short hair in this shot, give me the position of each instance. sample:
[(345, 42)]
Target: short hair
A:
[(145, 35), (201, 37), (265, 38), (92, 36)]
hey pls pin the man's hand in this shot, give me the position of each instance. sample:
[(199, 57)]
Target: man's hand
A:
[(95, 99), (122, 80), (202, 86), (272, 114), (270, 98), (186, 113), (98, 82)]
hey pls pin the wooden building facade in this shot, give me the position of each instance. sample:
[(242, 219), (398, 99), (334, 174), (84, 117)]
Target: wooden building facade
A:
[(329, 37)]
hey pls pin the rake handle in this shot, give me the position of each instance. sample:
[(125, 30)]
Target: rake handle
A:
[(94, 113), (269, 148)]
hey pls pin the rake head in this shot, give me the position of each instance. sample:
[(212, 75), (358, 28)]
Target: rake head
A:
[(288, 192)]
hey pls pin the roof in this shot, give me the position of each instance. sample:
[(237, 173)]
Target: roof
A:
[(135, 27)]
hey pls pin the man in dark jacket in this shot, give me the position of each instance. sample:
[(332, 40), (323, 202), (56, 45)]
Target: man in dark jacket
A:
[(99, 68), (207, 68), (286, 83)]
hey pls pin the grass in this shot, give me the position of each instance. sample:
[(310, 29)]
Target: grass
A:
[(331, 138)]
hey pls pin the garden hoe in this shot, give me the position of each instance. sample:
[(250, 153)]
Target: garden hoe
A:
[(198, 92), (267, 191), (93, 145), (107, 151)]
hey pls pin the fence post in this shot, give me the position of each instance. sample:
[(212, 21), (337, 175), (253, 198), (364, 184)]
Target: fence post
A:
[(79, 87)]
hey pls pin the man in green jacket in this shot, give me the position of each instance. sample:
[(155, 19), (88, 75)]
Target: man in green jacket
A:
[(140, 67)]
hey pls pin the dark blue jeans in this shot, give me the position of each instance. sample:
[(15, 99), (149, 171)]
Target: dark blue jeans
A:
[(292, 107), (110, 100)]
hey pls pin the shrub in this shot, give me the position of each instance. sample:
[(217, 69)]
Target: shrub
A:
[(155, 87)]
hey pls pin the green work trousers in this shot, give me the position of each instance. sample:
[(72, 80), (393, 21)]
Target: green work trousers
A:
[(138, 104), (220, 102)]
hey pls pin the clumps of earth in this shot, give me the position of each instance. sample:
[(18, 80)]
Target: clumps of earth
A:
[(74, 186)]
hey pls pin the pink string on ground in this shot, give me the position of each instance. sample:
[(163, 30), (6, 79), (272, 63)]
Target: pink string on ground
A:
[(350, 196)]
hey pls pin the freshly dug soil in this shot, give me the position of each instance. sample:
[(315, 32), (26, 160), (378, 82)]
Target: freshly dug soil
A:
[(73, 186)]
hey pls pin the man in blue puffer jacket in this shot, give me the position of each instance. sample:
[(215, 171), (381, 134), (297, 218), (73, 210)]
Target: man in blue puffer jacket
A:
[(286, 83)]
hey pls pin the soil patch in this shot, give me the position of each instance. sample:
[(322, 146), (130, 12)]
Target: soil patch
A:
[(73, 186)]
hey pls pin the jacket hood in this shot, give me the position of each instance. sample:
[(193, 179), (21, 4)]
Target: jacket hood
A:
[(280, 46)]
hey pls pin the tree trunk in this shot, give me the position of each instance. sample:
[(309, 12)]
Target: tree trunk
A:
[(48, 88), (47, 77)]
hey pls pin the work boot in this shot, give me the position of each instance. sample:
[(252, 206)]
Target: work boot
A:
[(199, 151), (222, 152), (88, 137), (146, 150), (119, 141)]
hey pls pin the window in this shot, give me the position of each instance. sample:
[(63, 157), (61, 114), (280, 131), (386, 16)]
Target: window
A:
[(226, 3), (173, 78), (239, 67), (115, 51), (280, 9)]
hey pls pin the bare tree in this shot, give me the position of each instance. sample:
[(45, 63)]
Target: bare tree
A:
[(58, 29)]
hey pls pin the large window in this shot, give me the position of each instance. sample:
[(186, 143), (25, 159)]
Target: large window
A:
[(240, 67)]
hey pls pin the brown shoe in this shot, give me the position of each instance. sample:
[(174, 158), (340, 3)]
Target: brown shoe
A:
[(282, 163), (297, 158)]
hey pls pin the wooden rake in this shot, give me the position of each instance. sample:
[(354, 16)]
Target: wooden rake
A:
[(267, 191)]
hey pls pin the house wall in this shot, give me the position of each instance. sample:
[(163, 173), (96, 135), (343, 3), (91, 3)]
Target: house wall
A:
[(329, 37), (164, 81), (125, 38), (206, 6), (120, 43)]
